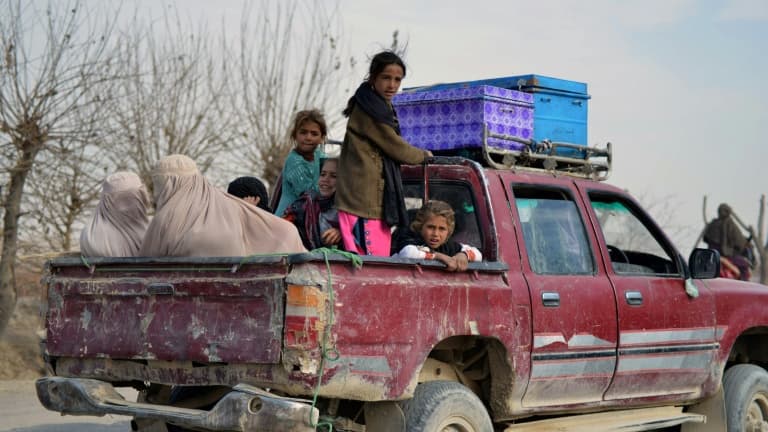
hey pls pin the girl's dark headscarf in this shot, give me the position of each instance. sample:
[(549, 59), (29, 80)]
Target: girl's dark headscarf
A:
[(380, 111), (375, 106), (243, 187)]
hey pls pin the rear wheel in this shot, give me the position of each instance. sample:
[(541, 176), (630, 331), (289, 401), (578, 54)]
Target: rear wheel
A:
[(746, 398), (445, 406)]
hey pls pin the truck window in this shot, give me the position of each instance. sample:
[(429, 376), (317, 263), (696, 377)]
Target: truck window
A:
[(554, 233), (632, 246), (459, 196)]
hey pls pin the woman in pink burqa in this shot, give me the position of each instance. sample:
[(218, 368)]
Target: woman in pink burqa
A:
[(194, 218), (120, 220)]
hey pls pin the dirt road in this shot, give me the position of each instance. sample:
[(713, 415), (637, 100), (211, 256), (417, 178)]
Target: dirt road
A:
[(20, 411)]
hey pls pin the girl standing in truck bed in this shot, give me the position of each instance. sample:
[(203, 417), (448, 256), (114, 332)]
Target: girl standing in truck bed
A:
[(367, 192)]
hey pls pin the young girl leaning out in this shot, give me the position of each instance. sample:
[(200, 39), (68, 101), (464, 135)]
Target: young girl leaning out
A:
[(302, 166), (430, 235)]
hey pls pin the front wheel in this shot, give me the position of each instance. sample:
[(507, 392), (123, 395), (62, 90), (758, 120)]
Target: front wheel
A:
[(445, 406), (746, 398)]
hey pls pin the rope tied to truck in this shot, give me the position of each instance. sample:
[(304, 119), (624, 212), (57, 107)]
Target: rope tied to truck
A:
[(91, 268), (328, 350)]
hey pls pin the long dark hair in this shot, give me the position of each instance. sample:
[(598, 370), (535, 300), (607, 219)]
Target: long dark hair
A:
[(378, 63)]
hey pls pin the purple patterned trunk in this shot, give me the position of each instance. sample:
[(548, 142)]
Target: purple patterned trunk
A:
[(454, 118)]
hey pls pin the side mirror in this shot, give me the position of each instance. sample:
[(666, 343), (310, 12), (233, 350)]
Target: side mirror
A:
[(704, 263)]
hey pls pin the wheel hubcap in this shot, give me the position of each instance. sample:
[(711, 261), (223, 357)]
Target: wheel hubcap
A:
[(457, 424), (757, 414)]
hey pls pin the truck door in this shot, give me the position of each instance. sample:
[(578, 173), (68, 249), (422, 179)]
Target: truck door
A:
[(666, 337), (572, 302)]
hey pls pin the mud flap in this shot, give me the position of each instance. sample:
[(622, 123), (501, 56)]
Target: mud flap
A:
[(714, 409), (384, 417)]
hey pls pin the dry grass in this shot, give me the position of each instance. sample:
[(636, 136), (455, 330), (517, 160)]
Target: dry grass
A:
[(20, 356)]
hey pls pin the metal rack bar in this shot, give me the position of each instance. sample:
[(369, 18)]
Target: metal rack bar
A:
[(542, 156)]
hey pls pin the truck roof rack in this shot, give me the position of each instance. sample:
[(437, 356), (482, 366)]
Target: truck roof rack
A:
[(594, 164)]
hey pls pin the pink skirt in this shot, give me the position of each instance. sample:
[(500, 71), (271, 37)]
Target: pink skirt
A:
[(364, 236)]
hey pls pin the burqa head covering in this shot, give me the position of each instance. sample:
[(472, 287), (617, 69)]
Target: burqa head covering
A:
[(723, 211), (194, 218), (723, 234), (120, 220), (242, 187)]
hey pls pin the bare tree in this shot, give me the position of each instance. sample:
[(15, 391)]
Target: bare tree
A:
[(396, 46), (64, 186), (629, 232), (52, 66), (176, 93), (282, 71), (662, 209), (174, 98)]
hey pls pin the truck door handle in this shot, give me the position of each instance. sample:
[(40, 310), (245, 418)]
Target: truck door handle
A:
[(550, 299), (634, 298), (160, 288)]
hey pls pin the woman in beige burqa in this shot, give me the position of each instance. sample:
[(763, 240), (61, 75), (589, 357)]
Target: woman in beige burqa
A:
[(120, 220), (194, 218)]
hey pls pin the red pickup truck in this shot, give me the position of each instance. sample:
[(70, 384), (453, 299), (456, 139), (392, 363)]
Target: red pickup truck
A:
[(582, 316)]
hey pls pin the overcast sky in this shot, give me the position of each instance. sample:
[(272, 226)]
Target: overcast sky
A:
[(678, 86)]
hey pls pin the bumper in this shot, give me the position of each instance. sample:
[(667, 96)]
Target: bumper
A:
[(245, 408)]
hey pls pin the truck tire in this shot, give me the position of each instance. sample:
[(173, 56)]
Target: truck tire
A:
[(746, 398), (445, 406)]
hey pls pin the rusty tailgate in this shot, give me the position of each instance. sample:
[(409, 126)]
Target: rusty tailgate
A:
[(203, 310)]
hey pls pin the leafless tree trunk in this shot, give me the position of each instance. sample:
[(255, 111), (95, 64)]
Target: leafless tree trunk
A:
[(704, 218), (281, 73), (64, 184), (43, 92)]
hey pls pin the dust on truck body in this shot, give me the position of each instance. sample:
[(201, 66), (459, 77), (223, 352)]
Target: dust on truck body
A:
[(582, 312)]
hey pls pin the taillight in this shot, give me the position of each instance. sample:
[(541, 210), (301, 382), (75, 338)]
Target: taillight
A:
[(304, 316)]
